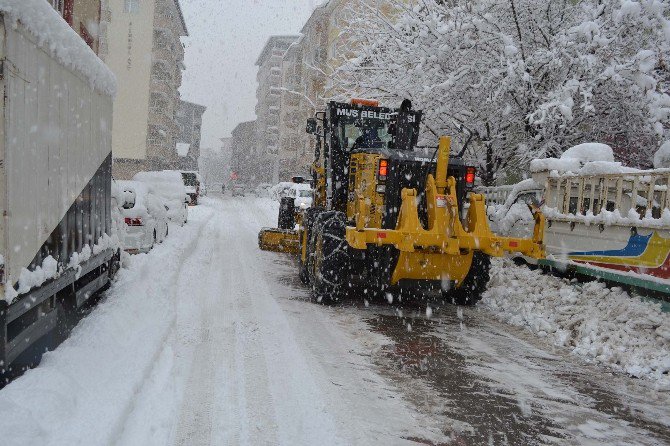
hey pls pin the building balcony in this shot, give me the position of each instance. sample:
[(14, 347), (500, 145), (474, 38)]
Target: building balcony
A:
[(163, 118), (163, 53), (164, 21), (163, 86)]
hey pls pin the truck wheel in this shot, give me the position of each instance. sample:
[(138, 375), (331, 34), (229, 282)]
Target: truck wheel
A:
[(474, 284), (308, 223), (329, 281), (286, 214)]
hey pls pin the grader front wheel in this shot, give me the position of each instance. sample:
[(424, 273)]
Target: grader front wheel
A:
[(475, 283), (309, 224), (330, 260)]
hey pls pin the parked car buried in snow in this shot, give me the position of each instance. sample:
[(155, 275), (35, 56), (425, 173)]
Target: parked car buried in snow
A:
[(145, 216), (168, 185), (280, 190)]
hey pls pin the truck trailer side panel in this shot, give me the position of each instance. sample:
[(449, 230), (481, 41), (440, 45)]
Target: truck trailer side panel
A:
[(55, 186), (57, 137)]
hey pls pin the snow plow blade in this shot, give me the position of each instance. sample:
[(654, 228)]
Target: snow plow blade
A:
[(279, 240)]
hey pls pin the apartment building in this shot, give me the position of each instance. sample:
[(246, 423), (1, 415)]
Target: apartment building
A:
[(294, 111), (89, 18), (309, 73), (268, 97), (214, 165), (189, 122), (244, 153), (145, 126)]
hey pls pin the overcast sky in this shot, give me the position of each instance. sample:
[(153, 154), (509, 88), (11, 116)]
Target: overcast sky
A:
[(225, 39)]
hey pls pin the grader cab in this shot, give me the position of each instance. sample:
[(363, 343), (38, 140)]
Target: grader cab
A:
[(388, 217)]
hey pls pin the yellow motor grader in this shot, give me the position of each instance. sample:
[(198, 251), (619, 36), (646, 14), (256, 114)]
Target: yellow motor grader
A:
[(387, 217)]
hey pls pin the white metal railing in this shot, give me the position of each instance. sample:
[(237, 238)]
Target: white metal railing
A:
[(495, 194), (629, 196)]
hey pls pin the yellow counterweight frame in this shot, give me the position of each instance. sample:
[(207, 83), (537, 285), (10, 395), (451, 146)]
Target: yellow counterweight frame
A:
[(443, 250)]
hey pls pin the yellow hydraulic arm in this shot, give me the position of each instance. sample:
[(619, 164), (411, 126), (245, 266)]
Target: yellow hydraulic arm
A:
[(445, 235)]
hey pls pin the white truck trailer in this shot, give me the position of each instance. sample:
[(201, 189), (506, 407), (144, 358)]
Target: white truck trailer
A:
[(56, 243)]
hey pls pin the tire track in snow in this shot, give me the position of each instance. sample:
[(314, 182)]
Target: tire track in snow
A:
[(195, 414), (296, 394), (189, 255), (241, 372), (239, 391)]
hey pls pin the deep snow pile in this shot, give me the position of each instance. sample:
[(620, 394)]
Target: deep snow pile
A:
[(602, 324), (62, 42), (589, 152)]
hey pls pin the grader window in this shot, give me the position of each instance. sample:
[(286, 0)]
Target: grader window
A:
[(363, 134)]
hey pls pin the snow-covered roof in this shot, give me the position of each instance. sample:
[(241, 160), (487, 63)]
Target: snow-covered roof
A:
[(61, 41)]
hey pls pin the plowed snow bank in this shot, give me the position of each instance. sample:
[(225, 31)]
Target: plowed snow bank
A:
[(602, 324)]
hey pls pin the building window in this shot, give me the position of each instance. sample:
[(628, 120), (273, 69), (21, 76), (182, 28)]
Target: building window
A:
[(131, 6), (58, 5), (64, 8), (90, 41)]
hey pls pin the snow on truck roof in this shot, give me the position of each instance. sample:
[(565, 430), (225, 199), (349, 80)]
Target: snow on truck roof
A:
[(589, 152), (60, 41), (582, 159)]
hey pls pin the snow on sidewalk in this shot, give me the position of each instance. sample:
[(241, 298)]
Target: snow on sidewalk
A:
[(601, 324), (82, 391)]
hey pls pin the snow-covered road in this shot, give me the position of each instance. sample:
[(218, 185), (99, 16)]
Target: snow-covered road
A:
[(209, 341)]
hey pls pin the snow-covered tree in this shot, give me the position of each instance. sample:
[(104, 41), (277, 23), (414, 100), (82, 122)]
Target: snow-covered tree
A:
[(519, 79), (610, 68)]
